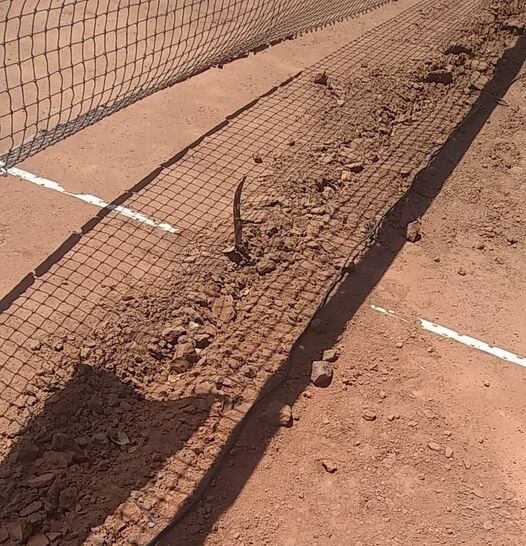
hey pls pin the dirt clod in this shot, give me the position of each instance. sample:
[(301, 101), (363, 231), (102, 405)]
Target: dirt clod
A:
[(329, 466), (320, 78), (330, 355), (444, 77), (265, 267), (35, 345), (224, 309), (355, 167), (478, 81), (369, 415)]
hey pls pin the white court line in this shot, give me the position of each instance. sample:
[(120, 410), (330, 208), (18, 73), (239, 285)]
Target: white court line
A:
[(91, 199), (461, 338)]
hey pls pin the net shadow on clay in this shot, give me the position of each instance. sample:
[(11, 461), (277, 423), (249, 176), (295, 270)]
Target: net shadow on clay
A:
[(95, 442)]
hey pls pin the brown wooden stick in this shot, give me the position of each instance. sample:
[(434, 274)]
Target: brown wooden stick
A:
[(238, 227)]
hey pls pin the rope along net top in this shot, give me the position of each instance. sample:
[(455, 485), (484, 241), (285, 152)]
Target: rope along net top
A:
[(65, 64)]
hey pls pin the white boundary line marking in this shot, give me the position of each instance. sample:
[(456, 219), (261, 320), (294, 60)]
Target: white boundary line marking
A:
[(461, 338), (91, 199)]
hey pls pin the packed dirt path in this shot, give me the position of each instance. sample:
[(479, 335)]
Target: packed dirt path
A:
[(418, 439)]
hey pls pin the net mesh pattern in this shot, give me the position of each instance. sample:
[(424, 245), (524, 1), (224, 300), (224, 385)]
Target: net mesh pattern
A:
[(67, 64)]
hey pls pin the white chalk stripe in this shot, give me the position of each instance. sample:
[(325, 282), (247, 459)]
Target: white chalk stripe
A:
[(91, 199), (461, 338)]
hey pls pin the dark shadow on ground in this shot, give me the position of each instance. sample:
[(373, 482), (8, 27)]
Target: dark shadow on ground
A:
[(95, 441), (226, 479)]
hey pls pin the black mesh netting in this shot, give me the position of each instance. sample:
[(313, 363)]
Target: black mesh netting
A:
[(67, 64)]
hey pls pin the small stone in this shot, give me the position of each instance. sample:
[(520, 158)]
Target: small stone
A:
[(320, 78), (382, 395), (488, 526), (340, 102), (369, 415), (399, 345), (461, 271), (35, 345), (412, 233), (257, 158), (329, 466), (321, 373), (449, 452), (433, 446), (264, 267), (390, 417), (278, 414), (487, 383), (466, 464), (330, 355), (346, 176)]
